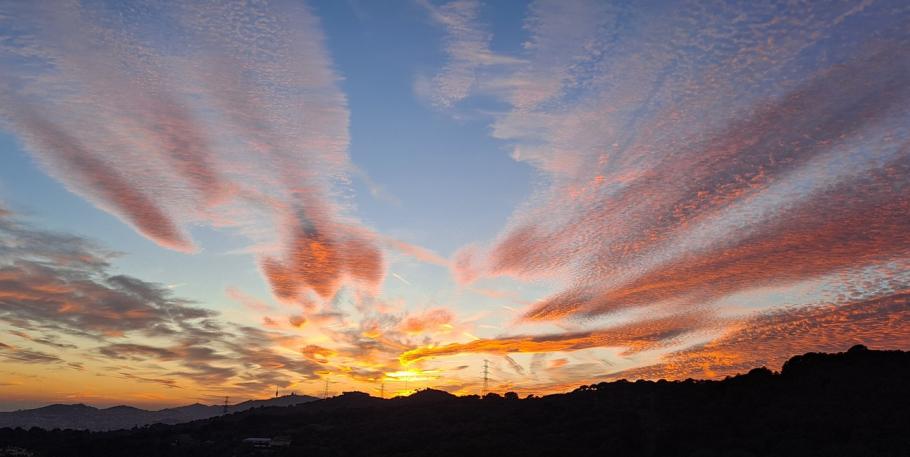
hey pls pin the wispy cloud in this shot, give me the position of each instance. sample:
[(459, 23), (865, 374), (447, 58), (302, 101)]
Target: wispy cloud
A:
[(636, 337), (163, 381), (770, 338), (60, 286), (467, 45), (50, 340), (660, 192), (178, 114), (22, 355), (688, 160), (57, 289)]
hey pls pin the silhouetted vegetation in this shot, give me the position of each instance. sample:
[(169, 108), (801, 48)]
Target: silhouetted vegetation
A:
[(848, 404)]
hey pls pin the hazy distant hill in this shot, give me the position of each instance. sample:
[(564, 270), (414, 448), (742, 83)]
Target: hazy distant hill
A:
[(854, 403), (83, 417)]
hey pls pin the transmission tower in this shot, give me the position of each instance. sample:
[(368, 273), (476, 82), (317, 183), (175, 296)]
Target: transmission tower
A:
[(325, 393), (224, 410), (486, 377)]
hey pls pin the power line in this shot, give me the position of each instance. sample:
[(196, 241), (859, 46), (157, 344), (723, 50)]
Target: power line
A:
[(486, 377)]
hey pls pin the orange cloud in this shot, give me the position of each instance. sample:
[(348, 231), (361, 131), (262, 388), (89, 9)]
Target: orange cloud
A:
[(634, 337), (56, 304), (858, 222), (297, 321), (690, 172), (317, 353), (431, 320), (770, 338), (778, 193), (320, 257)]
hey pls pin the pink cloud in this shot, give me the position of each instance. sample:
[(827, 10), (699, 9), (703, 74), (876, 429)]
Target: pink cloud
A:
[(250, 302), (321, 256), (104, 183), (680, 171), (215, 129)]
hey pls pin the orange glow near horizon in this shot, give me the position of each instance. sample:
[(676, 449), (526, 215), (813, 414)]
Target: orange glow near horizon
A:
[(210, 199)]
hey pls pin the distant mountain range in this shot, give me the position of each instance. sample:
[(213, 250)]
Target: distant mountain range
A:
[(84, 417)]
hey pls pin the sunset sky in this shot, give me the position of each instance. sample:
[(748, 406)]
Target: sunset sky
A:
[(202, 199)]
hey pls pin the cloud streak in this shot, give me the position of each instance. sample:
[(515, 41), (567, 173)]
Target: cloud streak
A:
[(770, 338), (58, 289), (633, 337), (680, 170), (61, 286), (468, 51), (14, 354), (734, 159), (172, 115)]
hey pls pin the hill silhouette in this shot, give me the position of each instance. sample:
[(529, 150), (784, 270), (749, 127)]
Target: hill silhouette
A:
[(84, 417), (847, 404)]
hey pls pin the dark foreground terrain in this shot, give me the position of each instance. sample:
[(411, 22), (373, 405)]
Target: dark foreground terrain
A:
[(849, 404)]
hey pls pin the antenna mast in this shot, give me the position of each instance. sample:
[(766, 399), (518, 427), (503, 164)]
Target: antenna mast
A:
[(486, 377)]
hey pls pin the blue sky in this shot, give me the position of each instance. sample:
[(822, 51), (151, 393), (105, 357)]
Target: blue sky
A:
[(370, 192)]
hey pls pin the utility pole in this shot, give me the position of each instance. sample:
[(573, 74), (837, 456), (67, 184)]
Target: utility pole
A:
[(486, 377)]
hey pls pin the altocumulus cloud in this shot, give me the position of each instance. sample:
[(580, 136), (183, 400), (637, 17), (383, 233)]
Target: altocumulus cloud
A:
[(224, 113), (800, 161), (57, 290), (770, 338), (687, 166)]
